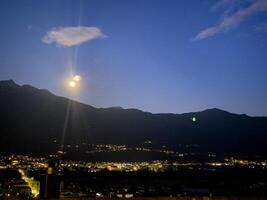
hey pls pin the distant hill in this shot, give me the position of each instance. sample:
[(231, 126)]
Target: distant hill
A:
[(32, 120)]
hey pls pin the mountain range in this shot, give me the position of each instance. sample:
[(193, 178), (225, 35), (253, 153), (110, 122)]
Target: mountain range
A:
[(37, 121)]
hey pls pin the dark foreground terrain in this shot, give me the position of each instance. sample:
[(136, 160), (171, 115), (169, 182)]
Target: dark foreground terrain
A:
[(186, 182), (162, 198)]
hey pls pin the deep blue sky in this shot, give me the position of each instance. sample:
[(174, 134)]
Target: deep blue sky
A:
[(154, 56)]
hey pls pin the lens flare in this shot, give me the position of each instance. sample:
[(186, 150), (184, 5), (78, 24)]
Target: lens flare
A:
[(77, 78), (194, 119)]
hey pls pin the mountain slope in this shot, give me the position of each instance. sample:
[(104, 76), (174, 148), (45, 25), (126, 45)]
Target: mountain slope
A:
[(33, 120)]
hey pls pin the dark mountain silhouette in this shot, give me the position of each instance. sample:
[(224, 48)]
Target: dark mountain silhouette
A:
[(33, 120)]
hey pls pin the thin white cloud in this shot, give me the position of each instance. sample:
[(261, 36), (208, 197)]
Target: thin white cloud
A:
[(222, 3), (72, 35), (231, 21)]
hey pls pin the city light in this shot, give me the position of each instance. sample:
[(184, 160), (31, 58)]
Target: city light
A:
[(32, 183)]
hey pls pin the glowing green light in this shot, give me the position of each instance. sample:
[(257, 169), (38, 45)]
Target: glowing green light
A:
[(194, 119)]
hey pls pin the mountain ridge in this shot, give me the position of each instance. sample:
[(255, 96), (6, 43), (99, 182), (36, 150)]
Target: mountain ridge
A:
[(33, 118), (11, 82)]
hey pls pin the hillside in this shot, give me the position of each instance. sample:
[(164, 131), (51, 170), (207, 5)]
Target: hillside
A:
[(32, 120)]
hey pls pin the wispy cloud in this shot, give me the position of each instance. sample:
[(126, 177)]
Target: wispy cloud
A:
[(222, 4), (72, 35), (230, 21)]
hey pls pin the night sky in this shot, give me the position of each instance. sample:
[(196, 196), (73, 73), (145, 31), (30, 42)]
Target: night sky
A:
[(159, 56)]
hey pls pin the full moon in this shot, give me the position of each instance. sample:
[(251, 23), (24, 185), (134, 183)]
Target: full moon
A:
[(72, 84)]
